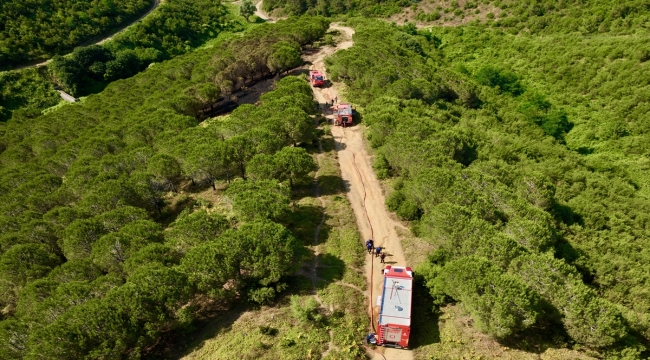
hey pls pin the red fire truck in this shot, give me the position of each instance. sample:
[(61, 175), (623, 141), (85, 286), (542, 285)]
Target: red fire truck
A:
[(394, 321), (343, 114), (316, 78)]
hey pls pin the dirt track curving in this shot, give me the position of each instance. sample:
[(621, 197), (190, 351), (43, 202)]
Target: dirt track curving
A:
[(261, 14), (364, 190)]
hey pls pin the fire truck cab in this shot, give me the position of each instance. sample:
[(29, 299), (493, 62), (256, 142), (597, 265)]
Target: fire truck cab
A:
[(394, 321), (344, 115), (316, 78)]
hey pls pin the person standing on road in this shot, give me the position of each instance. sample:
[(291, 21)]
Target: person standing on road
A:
[(369, 247), (377, 251), (382, 257)]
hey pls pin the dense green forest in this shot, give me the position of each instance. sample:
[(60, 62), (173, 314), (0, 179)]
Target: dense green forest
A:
[(174, 28), (100, 253), (523, 160), (38, 29), (330, 8)]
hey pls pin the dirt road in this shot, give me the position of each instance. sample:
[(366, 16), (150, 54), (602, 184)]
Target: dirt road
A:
[(261, 14), (364, 190)]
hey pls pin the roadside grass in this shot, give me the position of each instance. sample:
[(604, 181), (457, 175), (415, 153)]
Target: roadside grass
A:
[(342, 254)]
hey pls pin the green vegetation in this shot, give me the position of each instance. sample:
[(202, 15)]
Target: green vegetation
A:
[(174, 28), (547, 16), (27, 90), (516, 146), (527, 175), (37, 30), (103, 250), (300, 325), (329, 8), (513, 16), (247, 9)]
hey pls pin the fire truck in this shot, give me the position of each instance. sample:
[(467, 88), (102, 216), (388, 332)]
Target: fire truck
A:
[(394, 321), (316, 78), (344, 115)]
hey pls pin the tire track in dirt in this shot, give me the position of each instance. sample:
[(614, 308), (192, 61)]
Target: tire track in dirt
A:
[(363, 189)]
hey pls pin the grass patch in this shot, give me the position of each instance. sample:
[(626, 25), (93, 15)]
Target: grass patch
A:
[(267, 333)]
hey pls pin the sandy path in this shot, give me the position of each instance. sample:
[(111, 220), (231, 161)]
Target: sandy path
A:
[(261, 14), (364, 190), (100, 41)]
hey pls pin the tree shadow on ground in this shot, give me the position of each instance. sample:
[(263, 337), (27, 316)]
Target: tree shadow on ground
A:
[(180, 342), (330, 268), (303, 220), (332, 185), (299, 71), (549, 332), (426, 330), (171, 211)]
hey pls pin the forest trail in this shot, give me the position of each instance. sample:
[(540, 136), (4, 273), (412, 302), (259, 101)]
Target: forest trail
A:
[(155, 5), (363, 189), (261, 14)]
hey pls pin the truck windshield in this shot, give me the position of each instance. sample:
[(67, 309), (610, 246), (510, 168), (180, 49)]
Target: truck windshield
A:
[(318, 78)]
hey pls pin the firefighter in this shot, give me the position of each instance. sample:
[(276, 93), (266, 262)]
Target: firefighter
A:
[(369, 245), (370, 339), (382, 257), (377, 251)]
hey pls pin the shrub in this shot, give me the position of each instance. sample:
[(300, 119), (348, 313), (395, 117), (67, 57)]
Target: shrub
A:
[(395, 200), (409, 210), (382, 168), (305, 310), (267, 330)]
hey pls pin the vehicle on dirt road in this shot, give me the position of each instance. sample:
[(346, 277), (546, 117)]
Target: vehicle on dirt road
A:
[(394, 320), (316, 78), (344, 114)]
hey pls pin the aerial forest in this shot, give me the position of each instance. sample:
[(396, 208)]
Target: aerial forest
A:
[(95, 262), (510, 137), (37, 29), (174, 28)]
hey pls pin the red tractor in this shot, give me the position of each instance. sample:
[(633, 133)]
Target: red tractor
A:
[(343, 114), (316, 78)]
